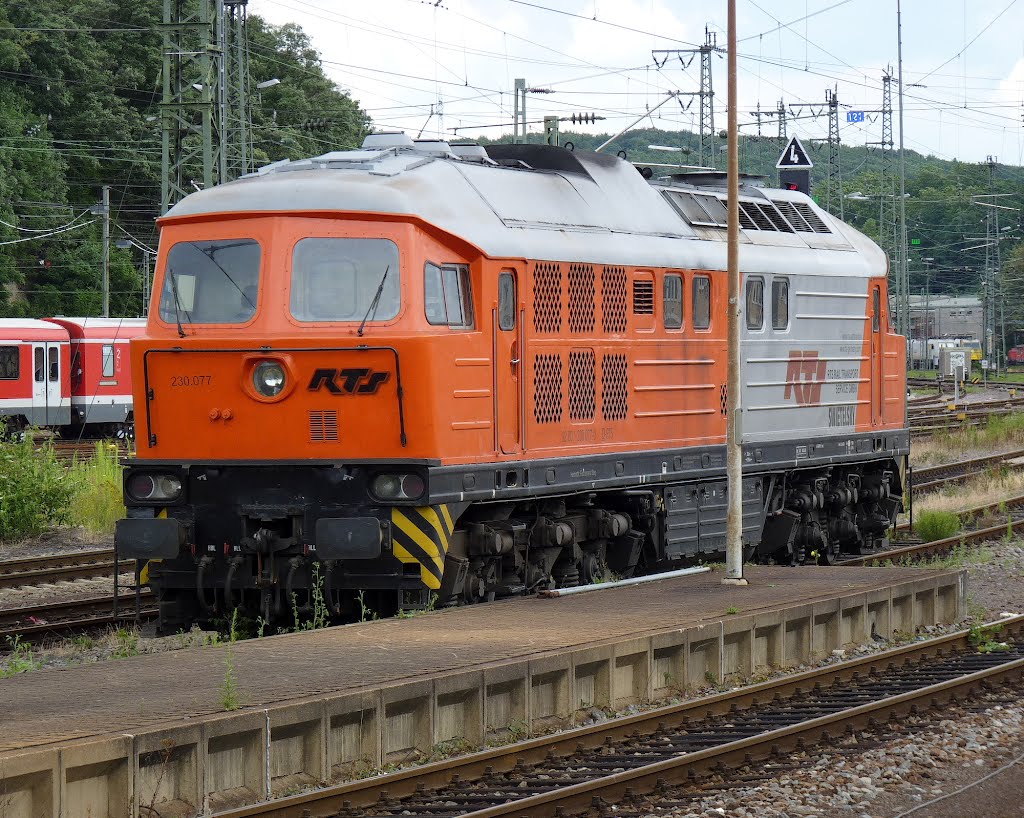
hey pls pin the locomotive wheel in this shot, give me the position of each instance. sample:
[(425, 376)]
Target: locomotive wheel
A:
[(593, 569)]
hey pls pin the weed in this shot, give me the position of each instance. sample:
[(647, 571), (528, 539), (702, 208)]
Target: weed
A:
[(936, 525), (96, 485), (455, 746), (732, 609), (710, 677), (320, 617), (34, 489), (366, 614), (21, 659), (960, 556), (83, 642), (126, 643), (229, 697), (983, 638)]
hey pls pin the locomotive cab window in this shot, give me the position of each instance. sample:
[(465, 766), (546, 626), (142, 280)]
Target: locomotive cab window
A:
[(506, 301), (10, 364), (448, 299), (341, 279), (780, 303), (211, 282), (755, 303), (673, 301), (701, 302)]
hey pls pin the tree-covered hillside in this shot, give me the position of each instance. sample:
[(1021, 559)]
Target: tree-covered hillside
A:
[(80, 88)]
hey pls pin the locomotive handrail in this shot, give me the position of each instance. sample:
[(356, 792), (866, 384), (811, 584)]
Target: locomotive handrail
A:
[(266, 350)]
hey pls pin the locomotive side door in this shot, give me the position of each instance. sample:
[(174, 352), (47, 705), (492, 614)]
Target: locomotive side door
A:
[(876, 355), (507, 343)]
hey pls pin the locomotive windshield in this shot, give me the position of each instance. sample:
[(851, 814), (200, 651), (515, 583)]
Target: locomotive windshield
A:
[(211, 282), (345, 280)]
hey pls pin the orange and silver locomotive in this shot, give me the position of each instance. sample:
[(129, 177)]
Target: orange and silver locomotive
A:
[(423, 373)]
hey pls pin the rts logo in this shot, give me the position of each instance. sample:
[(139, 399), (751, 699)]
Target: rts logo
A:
[(805, 375), (348, 381)]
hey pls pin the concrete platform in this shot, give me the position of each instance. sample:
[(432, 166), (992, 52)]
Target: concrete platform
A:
[(101, 740)]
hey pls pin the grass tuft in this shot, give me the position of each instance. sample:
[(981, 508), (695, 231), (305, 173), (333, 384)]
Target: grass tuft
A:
[(936, 525)]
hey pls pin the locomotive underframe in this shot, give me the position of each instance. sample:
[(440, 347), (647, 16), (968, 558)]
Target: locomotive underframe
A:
[(290, 541)]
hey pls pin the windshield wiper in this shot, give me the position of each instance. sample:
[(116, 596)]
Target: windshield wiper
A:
[(177, 306), (372, 309)]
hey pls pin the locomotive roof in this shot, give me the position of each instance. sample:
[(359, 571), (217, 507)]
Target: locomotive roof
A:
[(547, 203)]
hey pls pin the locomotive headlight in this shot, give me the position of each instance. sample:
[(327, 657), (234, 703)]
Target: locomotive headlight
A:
[(268, 378), (397, 487), (154, 487)]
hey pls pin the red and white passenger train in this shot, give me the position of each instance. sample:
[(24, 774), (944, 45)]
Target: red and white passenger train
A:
[(67, 373)]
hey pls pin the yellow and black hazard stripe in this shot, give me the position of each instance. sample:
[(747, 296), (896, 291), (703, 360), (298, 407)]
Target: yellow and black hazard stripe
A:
[(422, 535)]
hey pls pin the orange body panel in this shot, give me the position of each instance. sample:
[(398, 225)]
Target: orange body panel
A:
[(456, 406)]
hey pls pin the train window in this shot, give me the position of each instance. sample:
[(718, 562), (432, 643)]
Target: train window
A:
[(345, 280), (447, 295), (673, 301), (211, 282), (108, 360), (506, 301), (701, 302), (10, 364), (53, 353), (40, 365), (780, 303), (755, 303)]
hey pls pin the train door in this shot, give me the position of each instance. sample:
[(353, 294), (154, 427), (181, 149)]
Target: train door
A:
[(46, 392), (508, 353), (876, 355)]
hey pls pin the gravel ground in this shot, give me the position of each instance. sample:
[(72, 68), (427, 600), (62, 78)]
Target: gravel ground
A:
[(58, 541)]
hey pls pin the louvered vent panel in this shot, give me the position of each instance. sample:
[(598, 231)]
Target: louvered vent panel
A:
[(776, 217), (614, 387), (547, 297), (758, 216), (643, 297), (746, 222), (613, 299), (323, 425), (582, 390), (794, 217), (581, 298), (812, 218), (547, 388)]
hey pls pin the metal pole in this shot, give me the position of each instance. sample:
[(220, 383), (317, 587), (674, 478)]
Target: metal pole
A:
[(106, 251), (903, 294), (734, 425), (145, 283)]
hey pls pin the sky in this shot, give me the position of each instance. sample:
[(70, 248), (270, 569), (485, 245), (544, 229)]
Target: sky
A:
[(447, 68)]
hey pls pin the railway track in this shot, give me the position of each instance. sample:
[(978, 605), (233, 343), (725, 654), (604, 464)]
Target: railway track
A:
[(70, 616), (90, 564), (933, 477), (661, 752)]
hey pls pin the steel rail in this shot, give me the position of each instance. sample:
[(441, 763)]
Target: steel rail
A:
[(369, 792), (70, 615), (57, 567)]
